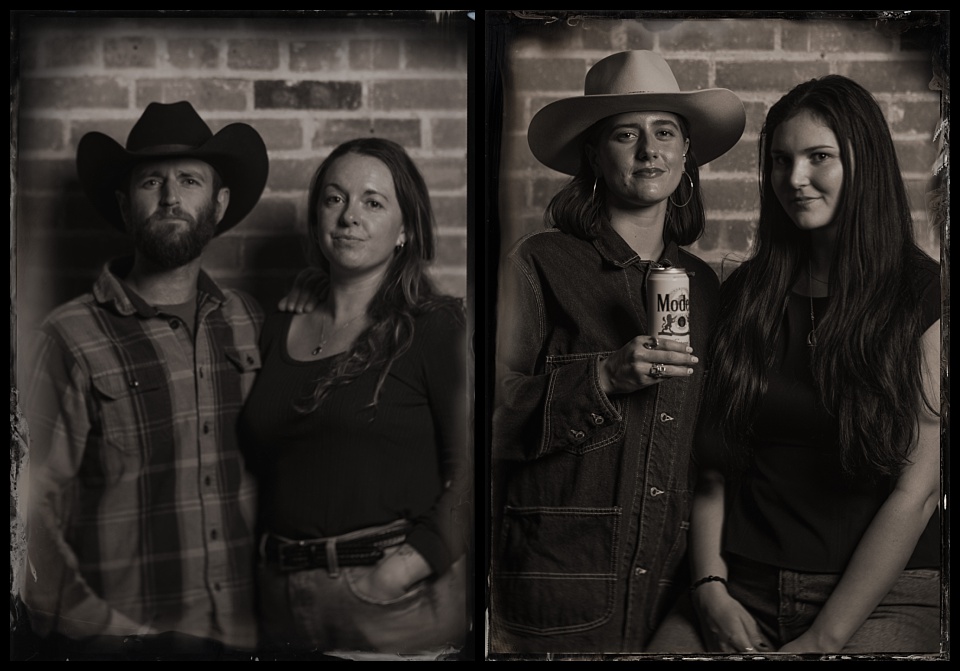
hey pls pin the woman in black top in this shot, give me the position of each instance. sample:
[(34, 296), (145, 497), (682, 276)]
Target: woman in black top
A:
[(357, 425), (825, 379)]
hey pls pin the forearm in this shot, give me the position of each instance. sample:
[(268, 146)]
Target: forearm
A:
[(876, 564), (706, 527)]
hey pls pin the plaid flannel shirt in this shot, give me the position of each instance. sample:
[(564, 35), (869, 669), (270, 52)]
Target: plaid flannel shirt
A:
[(141, 510)]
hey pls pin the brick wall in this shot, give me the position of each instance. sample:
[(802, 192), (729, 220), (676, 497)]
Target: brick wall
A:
[(759, 60), (305, 84)]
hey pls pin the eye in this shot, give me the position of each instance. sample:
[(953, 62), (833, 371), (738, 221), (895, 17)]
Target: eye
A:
[(666, 132), (624, 136), (820, 157), (332, 199), (374, 204)]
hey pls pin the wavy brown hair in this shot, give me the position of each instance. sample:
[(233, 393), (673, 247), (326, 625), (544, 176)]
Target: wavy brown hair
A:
[(867, 365), (405, 291)]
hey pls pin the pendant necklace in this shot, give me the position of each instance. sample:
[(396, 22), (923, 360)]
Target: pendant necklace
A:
[(324, 338), (812, 336)]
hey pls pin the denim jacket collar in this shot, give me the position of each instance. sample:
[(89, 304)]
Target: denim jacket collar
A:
[(614, 249)]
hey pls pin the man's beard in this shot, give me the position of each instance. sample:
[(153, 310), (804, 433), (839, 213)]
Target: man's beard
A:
[(169, 249)]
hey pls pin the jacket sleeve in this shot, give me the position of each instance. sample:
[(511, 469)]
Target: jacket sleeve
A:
[(442, 535), (56, 594), (542, 407)]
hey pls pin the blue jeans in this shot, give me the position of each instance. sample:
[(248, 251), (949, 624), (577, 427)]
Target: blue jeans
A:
[(785, 603), (324, 609)]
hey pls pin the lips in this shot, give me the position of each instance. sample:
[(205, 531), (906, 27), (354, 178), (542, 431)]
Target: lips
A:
[(649, 172)]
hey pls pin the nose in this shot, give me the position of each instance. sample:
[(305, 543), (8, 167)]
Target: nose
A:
[(799, 174), (170, 192), (645, 148), (349, 216)]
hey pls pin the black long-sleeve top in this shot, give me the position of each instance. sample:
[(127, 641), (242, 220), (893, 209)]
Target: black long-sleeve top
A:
[(347, 465)]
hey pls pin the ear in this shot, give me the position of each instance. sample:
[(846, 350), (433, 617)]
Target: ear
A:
[(402, 238), (686, 148), (223, 201)]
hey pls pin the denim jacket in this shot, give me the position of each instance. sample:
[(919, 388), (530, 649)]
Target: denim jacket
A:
[(590, 493)]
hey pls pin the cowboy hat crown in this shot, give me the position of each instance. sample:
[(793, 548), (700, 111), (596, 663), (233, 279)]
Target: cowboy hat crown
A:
[(634, 81), (175, 130)]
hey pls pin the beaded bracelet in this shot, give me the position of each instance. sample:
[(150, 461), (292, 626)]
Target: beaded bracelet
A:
[(709, 578)]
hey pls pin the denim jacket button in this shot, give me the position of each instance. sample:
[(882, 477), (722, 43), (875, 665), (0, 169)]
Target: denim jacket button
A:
[(639, 571), (597, 419), (664, 417), (655, 492), (576, 434)]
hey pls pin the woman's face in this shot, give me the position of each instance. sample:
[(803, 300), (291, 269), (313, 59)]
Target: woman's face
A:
[(640, 156), (807, 174), (359, 218)]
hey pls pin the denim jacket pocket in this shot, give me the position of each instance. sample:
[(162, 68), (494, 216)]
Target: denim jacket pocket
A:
[(558, 569), (593, 428)]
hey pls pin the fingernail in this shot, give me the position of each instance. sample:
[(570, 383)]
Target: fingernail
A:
[(694, 359), (689, 349), (689, 371)]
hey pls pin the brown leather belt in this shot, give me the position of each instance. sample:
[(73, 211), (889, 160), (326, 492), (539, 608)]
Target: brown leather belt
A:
[(301, 555)]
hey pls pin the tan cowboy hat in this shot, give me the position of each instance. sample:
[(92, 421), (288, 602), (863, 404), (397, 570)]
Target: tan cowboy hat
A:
[(175, 130), (634, 81)]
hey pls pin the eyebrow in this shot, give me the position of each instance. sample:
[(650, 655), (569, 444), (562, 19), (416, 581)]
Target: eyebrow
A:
[(156, 172), (657, 121), (775, 150), (368, 192)]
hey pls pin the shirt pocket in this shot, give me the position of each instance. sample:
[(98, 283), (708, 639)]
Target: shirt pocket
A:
[(135, 409), (246, 363), (557, 573)]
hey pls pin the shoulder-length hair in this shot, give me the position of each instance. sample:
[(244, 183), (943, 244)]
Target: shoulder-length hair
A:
[(578, 207), (867, 362), (405, 291)]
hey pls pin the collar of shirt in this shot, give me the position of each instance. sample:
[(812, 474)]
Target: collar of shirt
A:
[(110, 289), (614, 250)]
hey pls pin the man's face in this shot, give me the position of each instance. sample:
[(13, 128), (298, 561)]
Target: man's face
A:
[(171, 210)]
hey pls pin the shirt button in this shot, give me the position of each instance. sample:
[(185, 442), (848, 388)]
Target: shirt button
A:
[(201, 371), (207, 481), (655, 492), (216, 586), (174, 323), (664, 417), (134, 383), (597, 419), (213, 534), (206, 427)]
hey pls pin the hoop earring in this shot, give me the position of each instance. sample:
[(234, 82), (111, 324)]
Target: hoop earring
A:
[(690, 197)]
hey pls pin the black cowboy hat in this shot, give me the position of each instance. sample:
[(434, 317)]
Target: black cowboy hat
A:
[(175, 130)]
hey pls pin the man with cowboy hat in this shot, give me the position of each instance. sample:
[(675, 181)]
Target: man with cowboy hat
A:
[(141, 510)]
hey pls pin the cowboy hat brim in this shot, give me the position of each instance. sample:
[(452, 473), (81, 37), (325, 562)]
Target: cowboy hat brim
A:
[(715, 119), (237, 152)]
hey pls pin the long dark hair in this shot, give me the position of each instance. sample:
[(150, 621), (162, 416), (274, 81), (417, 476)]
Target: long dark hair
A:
[(405, 291), (578, 207), (867, 363)]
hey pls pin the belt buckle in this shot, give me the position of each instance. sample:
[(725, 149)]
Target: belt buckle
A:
[(301, 555)]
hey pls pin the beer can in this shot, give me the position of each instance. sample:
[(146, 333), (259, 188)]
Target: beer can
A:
[(668, 304)]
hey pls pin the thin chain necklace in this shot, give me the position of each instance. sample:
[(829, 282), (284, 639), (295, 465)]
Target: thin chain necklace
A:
[(812, 336), (324, 338)]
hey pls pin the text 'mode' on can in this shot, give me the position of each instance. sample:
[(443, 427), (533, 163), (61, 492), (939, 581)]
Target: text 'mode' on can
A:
[(668, 304)]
